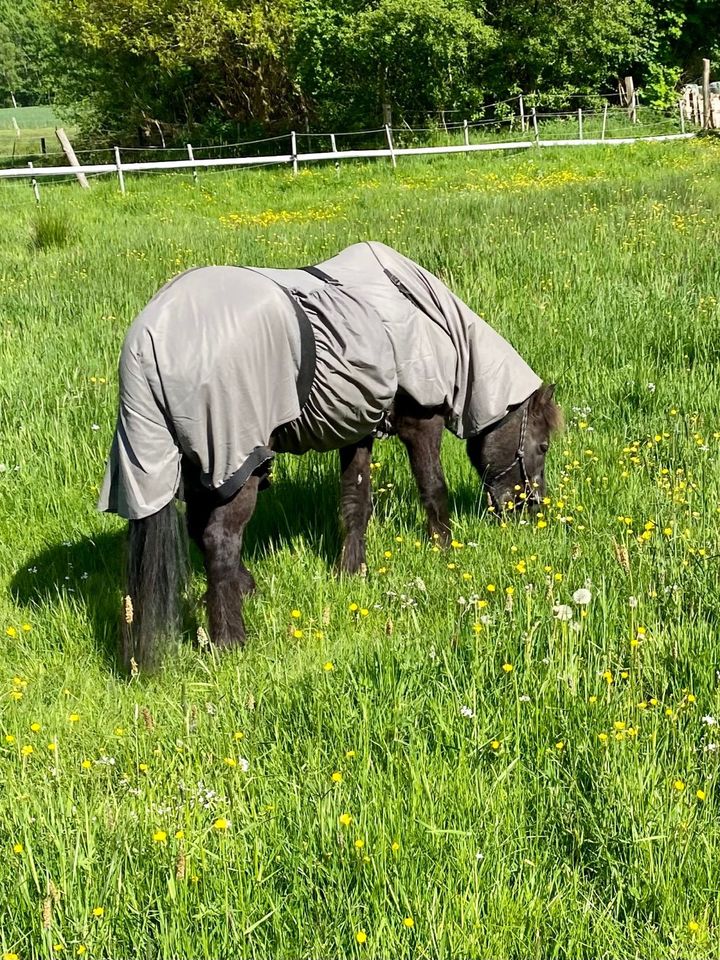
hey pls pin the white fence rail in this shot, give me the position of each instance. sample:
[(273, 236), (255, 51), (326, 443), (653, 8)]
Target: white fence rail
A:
[(392, 152)]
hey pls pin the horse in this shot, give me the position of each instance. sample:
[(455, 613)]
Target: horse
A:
[(228, 366)]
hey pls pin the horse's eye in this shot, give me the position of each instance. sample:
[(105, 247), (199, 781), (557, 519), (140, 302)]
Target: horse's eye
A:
[(544, 447)]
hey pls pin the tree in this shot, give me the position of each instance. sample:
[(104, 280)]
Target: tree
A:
[(25, 41)]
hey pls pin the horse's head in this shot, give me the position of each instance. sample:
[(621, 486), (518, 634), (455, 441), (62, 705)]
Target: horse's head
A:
[(510, 455)]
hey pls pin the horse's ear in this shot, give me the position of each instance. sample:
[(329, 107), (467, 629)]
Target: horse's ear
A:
[(544, 406)]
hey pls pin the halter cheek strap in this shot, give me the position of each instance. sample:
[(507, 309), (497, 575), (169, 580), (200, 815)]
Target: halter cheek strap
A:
[(518, 461)]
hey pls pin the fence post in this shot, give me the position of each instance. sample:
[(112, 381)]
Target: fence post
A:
[(43, 145), (522, 113), (580, 123), (682, 116), (466, 133), (293, 151), (535, 126), (70, 154), (333, 144), (191, 156), (36, 188), (388, 134), (706, 93), (118, 164), (604, 123), (630, 96)]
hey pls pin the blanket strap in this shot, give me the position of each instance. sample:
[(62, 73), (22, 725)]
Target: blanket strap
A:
[(308, 356), (319, 275)]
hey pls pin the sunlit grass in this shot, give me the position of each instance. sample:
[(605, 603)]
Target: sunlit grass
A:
[(511, 743)]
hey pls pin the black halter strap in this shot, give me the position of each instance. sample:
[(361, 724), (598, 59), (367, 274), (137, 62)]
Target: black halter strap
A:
[(518, 461)]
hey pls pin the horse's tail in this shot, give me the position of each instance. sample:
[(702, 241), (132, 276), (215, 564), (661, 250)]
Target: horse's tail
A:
[(157, 565)]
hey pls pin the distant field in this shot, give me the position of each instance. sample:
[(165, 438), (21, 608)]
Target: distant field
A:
[(34, 123), (508, 750)]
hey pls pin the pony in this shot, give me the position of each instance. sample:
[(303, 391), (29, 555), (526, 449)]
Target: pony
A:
[(365, 344)]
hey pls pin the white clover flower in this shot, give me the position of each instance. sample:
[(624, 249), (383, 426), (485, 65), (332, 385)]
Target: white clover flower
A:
[(467, 712), (524, 698), (244, 764), (582, 596), (563, 611), (632, 602), (710, 721)]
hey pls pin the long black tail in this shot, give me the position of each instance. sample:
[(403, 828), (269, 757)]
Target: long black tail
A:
[(157, 566)]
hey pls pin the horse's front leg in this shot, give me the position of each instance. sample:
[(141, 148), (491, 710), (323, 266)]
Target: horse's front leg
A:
[(355, 502), (219, 533), (421, 432)]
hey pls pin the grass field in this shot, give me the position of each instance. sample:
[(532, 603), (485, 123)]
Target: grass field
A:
[(456, 757), (34, 123)]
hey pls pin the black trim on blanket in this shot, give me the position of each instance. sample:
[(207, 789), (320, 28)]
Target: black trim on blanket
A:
[(308, 356), (320, 275), (397, 282), (258, 457)]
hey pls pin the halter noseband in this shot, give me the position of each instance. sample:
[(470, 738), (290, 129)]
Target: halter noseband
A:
[(519, 460)]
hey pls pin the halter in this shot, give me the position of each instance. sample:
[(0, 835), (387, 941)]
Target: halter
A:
[(519, 460)]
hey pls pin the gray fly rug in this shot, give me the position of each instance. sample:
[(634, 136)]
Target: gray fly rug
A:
[(229, 365)]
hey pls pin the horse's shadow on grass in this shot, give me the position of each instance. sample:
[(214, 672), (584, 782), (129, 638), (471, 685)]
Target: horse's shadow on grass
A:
[(87, 574)]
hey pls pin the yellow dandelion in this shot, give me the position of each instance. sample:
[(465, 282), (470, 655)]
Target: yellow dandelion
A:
[(328, 666), (602, 737), (560, 745), (18, 848), (693, 926), (359, 844), (179, 834), (408, 922), (491, 588), (361, 936), (701, 795), (507, 667), (26, 750), (394, 846), (221, 824), (52, 747), (11, 632), (98, 911), (26, 628), (74, 717), (336, 777), (349, 754), (160, 836), (81, 950), (231, 761), (238, 735), (495, 744), (297, 634), (35, 727), (364, 611), (86, 764), (345, 819), (679, 785), (295, 614)]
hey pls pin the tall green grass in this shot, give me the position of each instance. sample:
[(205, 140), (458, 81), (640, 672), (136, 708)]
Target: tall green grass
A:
[(508, 783)]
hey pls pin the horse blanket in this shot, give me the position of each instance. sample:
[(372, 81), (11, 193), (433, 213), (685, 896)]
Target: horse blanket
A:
[(229, 365)]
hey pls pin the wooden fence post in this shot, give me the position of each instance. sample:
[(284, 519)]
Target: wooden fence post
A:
[(535, 125), (191, 156), (388, 134), (293, 151), (333, 144), (630, 96), (706, 94), (72, 158), (580, 124), (604, 123), (466, 133), (118, 164), (522, 113), (682, 116)]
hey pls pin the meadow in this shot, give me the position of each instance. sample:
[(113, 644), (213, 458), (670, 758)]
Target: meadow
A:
[(508, 749)]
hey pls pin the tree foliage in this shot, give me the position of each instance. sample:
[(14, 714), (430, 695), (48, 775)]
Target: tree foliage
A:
[(268, 63)]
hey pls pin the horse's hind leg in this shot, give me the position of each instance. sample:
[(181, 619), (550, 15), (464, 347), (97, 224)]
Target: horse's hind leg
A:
[(228, 580), (421, 432), (355, 503)]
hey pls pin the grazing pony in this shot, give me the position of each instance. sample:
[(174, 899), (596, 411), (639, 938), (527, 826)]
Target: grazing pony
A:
[(228, 366)]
